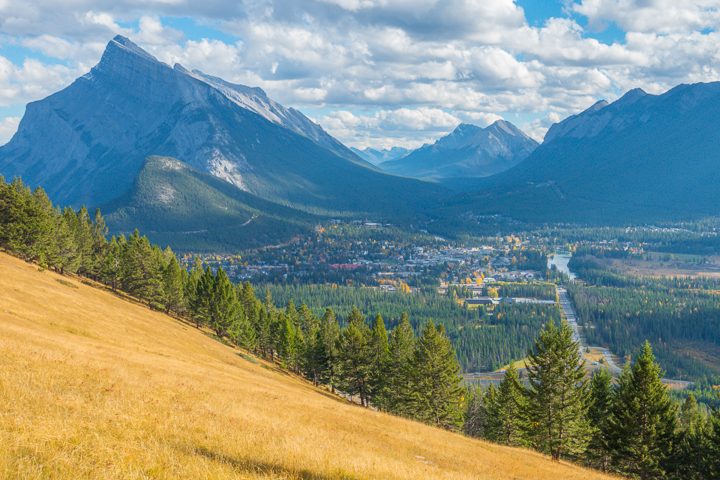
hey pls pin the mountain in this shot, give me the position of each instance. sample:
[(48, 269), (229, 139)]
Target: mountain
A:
[(176, 205), (87, 143), (642, 158), (376, 157), (468, 151), (166, 400)]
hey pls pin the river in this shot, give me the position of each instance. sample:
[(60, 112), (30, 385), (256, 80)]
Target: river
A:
[(561, 260)]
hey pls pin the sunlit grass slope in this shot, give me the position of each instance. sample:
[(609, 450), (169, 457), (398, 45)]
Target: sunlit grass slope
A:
[(93, 386)]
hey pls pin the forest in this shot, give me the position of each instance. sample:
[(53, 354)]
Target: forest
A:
[(679, 315), (483, 340), (632, 427)]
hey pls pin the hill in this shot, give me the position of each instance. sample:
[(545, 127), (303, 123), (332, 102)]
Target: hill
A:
[(642, 158), (175, 204), (96, 386), (467, 151), (87, 143)]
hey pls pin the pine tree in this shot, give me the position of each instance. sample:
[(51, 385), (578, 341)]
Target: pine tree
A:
[(42, 222), (201, 301), (558, 394), (643, 420), (68, 258), (355, 360), (173, 285), (507, 411), (110, 265), (328, 349), (601, 398), (380, 357), (437, 397), (241, 331), (99, 235), (712, 446), (399, 370), (84, 240), (224, 307), (689, 460), (263, 333), (142, 270)]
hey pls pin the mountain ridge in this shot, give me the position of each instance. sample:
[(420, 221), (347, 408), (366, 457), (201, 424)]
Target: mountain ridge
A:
[(468, 150), (642, 158), (87, 143)]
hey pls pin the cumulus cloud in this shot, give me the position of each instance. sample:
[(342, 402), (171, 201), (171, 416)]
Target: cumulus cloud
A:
[(8, 127), (652, 16), (388, 70)]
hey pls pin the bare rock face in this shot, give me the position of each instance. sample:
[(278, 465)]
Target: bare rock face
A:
[(468, 151), (87, 143)]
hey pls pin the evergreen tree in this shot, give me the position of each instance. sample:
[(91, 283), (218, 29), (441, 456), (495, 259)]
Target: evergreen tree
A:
[(328, 349), (263, 333), (84, 240), (712, 447), (437, 396), (224, 307), (558, 394), (241, 331), (42, 223), (111, 263), (201, 301), (643, 420), (355, 360), (507, 410), (379, 359), (601, 398), (173, 285), (689, 458), (142, 270), (399, 370), (68, 255), (99, 235)]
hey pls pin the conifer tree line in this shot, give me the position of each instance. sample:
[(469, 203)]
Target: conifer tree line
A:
[(399, 372), (630, 427)]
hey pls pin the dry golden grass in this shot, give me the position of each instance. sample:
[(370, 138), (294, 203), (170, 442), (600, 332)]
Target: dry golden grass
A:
[(92, 386)]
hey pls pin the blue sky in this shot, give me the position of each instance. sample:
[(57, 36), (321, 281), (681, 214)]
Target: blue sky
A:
[(379, 72)]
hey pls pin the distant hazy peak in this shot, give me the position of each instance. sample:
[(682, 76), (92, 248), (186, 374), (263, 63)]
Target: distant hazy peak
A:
[(469, 150)]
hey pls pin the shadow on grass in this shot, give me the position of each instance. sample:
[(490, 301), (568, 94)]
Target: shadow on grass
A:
[(249, 465)]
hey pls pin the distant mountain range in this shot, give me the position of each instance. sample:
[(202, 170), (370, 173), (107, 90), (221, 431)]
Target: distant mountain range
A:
[(376, 157), (642, 158), (468, 151), (88, 144), (201, 163)]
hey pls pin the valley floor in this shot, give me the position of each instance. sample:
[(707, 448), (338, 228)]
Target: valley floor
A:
[(93, 386)]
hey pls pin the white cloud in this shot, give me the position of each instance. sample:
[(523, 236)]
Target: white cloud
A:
[(8, 127), (652, 16), (401, 70)]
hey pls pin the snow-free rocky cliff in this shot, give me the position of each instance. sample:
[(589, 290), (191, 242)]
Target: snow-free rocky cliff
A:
[(87, 143)]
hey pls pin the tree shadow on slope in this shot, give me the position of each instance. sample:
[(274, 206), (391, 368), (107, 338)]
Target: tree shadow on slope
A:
[(250, 465)]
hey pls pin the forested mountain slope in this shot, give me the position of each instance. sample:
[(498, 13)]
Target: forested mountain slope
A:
[(97, 386), (642, 158), (190, 210)]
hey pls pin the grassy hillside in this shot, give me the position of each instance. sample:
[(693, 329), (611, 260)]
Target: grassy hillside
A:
[(93, 386)]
